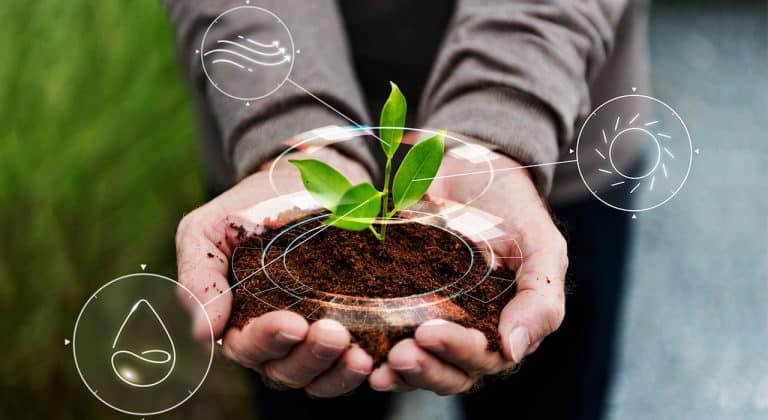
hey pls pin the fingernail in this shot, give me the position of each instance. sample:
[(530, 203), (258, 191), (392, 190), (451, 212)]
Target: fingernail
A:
[(288, 338), (412, 369), (385, 389), (519, 341), (325, 352), (330, 326), (436, 345), (322, 349), (434, 322), (351, 375)]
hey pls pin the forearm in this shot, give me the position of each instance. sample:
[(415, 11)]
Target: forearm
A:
[(516, 74), (253, 132)]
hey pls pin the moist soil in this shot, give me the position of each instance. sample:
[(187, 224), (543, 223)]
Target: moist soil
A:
[(414, 259)]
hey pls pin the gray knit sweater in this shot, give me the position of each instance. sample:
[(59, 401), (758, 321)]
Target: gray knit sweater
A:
[(518, 74)]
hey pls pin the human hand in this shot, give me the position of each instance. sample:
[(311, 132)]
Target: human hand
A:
[(280, 345), (447, 358)]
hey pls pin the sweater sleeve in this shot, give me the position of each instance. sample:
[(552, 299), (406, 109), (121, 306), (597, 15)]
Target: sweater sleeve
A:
[(516, 74), (252, 134)]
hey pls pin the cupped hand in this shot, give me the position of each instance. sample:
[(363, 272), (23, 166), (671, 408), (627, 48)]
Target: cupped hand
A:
[(447, 358), (280, 345)]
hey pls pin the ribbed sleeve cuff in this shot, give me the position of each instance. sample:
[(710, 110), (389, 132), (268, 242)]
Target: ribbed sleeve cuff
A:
[(518, 125)]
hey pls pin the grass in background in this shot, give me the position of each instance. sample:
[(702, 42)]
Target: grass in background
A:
[(98, 162)]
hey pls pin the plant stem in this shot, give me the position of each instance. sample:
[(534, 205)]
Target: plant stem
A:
[(376, 234), (385, 199)]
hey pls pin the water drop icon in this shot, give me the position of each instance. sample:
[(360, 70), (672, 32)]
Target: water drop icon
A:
[(150, 366)]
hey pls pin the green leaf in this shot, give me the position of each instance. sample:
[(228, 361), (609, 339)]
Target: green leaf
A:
[(357, 208), (415, 174), (392, 115), (325, 184)]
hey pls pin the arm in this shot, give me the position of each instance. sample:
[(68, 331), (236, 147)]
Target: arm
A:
[(251, 135), (280, 345), (516, 75)]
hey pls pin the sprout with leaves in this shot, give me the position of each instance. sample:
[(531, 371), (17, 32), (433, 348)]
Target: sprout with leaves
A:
[(356, 207)]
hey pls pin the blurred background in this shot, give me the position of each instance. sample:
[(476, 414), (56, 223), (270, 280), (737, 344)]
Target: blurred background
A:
[(99, 161)]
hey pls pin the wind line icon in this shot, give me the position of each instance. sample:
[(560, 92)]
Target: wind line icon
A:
[(242, 56), (153, 356)]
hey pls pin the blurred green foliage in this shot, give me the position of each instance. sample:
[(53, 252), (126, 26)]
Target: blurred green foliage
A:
[(98, 162)]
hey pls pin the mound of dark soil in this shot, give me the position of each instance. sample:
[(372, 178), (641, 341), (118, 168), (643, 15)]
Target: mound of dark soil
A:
[(380, 291)]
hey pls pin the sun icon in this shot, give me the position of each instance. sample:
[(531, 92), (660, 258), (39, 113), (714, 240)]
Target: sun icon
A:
[(634, 177), (630, 145)]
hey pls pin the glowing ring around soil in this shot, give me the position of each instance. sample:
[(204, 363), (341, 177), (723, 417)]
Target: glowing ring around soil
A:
[(354, 308), (331, 295)]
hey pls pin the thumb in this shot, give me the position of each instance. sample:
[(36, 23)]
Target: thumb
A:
[(203, 271), (538, 308)]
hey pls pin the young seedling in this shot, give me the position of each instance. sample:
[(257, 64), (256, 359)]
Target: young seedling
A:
[(356, 207)]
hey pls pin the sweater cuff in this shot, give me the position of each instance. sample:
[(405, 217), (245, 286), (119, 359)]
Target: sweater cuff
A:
[(520, 126), (265, 141)]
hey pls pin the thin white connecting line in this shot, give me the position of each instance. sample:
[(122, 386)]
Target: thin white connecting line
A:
[(287, 250), (495, 170), (289, 80)]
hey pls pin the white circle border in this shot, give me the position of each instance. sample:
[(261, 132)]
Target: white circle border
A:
[(687, 133), (658, 153), (290, 68), (74, 349)]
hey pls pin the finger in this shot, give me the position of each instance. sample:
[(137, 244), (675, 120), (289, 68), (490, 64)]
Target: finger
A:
[(462, 347), (384, 379), (325, 342), (348, 373), (268, 337), (202, 266), (538, 307), (422, 370)]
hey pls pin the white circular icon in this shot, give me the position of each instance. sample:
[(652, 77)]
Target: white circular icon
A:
[(250, 64), (133, 347), (634, 153)]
